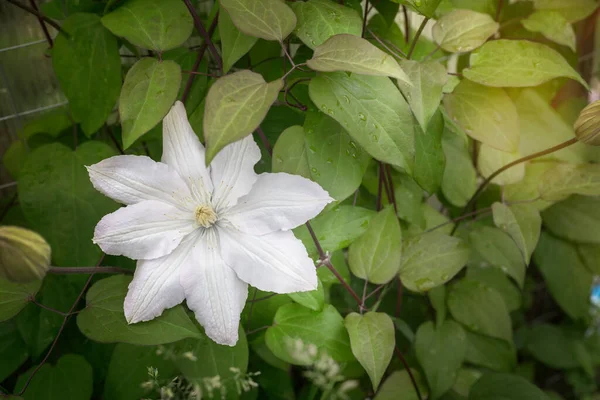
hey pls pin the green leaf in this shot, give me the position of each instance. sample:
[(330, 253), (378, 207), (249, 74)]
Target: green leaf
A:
[(505, 387), (553, 26), (459, 181), (400, 382), (151, 24), (432, 259), (338, 259), (409, 200), (203, 358), (375, 256), (336, 228), (149, 91), (297, 329), (551, 345), (590, 254), (14, 157), (497, 248), (566, 179), (480, 308), (570, 286), (71, 378), (383, 127), (13, 350), (424, 7), (315, 299), (234, 44), (522, 222), (265, 19), (576, 219), (372, 338), (347, 52), (437, 298), (491, 353), (572, 10), (528, 188), (57, 197), (289, 153), (88, 67), (494, 278), (518, 63), (425, 91), (15, 296), (128, 369), (430, 160), (235, 106), (103, 320), (489, 160), (486, 114), (461, 31), (440, 352), (318, 20)]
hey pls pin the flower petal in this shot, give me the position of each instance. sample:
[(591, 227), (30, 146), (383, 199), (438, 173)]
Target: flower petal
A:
[(213, 290), (155, 285), (145, 230), (131, 179), (183, 151), (278, 202), (276, 262), (232, 172)]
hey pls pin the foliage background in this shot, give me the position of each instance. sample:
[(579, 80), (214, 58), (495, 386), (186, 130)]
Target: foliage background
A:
[(507, 332)]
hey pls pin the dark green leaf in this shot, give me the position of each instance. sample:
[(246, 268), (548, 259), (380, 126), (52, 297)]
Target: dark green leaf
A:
[(15, 296), (13, 350), (400, 382), (491, 353), (505, 387), (576, 219)]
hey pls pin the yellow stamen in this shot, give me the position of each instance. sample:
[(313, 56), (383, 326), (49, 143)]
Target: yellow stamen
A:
[(205, 216)]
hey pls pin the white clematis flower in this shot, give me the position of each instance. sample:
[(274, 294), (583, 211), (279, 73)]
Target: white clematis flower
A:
[(204, 233)]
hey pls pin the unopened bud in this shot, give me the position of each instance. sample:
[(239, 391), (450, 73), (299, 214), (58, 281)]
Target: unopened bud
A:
[(587, 126), (24, 255)]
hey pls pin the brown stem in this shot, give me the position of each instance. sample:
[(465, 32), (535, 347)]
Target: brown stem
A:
[(88, 270), (399, 298), (390, 182), (264, 140), (364, 22), (499, 10), (205, 35), (39, 15), (416, 39), (406, 25), (42, 23), (399, 54), (54, 310), (510, 165), (379, 202), (410, 374)]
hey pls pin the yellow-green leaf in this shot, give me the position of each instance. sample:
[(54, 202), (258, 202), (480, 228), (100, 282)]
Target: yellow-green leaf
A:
[(572, 10), (289, 153), (235, 105), (553, 26), (486, 114), (518, 63), (461, 31), (265, 19), (566, 179), (346, 52), (523, 224), (490, 159)]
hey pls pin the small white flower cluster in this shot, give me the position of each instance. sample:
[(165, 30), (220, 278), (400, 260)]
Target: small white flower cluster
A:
[(323, 371), (244, 382)]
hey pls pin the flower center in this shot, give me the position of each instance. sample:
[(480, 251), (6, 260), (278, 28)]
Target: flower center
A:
[(205, 216)]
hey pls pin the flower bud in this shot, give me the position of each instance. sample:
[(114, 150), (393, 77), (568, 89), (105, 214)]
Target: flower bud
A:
[(587, 126), (24, 255)]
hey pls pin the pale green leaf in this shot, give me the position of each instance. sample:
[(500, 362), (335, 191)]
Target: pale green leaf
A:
[(375, 256), (440, 351), (430, 159), (523, 224), (15, 296), (409, 198), (382, 126), (432, 259), (235, 106), (149, 91), (572, 10), (289, 153), (425, 92), (314, 299), (480, 308), (485, 113), (300, 336), (88, 68), (346, 52), (459, 181), (528, 188), (151, 24), (234, 44), (103, 319), (461, 31), (489, 160), (518, 63), (265, 19), (496, 248), (564, 180), (494, 278), (401, 382), (506, 387), (57, 197), (372, 339), (318, 20), (495, 354), (576, 219), (553, 26), (424, 7), (336, 228)]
